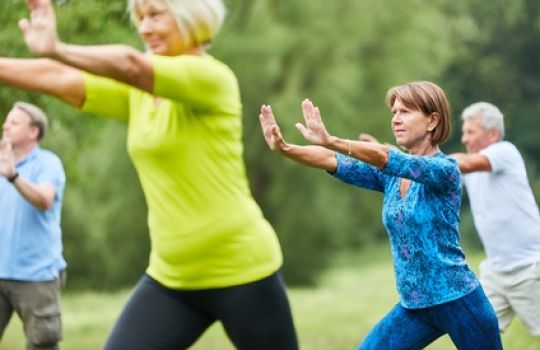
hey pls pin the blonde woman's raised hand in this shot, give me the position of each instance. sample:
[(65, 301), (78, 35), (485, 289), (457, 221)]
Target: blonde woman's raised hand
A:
[(270, 129), (314, 130), (40, 30)]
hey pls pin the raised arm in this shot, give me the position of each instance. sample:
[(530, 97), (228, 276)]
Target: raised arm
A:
[(315, 132), (119, 62), (312, 156)]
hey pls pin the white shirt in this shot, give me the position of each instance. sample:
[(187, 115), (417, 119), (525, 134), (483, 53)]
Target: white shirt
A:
[(504, 210)]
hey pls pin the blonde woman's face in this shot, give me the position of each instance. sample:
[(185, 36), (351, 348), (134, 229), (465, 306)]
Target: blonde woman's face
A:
[(158, 29)]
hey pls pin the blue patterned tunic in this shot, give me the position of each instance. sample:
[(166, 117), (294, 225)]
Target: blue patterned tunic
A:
[(429, 264)]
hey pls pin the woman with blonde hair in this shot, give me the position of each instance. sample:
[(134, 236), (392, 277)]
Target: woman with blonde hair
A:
[(213, 256)]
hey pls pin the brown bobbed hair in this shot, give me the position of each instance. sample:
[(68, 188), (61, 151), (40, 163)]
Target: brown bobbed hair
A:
[(428, 98)]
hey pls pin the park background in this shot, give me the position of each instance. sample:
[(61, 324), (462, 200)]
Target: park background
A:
[(342, 54)]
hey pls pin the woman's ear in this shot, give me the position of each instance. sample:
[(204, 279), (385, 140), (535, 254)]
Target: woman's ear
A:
[(434, 121)]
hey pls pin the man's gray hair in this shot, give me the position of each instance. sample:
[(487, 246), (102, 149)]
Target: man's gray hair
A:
[(37, 116), (490, 115)]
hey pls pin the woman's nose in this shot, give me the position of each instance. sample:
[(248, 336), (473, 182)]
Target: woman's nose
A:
[(144, 26)]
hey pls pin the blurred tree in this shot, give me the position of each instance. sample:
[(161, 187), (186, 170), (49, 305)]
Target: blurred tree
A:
[(344, 56), (500, 63)]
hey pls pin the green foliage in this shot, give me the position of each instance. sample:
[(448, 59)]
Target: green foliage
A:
[(343, 55), (500, 63)]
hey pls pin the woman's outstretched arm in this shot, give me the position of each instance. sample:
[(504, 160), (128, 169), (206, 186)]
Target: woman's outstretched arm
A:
[(45, 76), (119, 62), (312, 156)]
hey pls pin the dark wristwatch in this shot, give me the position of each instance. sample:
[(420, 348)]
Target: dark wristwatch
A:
[(14, 177)]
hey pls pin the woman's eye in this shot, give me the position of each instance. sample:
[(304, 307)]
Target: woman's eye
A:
[(150, 15), (155, 14)]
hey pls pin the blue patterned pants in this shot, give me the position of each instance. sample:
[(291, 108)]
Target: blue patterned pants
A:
[(470, 322)]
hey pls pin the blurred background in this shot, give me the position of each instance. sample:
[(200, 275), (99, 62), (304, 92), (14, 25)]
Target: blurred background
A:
[(343, 55)]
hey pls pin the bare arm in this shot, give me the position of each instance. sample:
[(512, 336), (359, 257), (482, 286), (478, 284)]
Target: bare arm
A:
[(315, 132), (469, 163), (46, 76), (119, 62), (312, 156), (39, 195)]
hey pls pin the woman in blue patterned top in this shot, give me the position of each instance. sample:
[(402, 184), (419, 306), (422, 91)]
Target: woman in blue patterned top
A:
[(438, 292)]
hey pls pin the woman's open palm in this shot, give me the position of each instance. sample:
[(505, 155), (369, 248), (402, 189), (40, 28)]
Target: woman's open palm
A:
[(40, 30), (270, 129), (314, 131)]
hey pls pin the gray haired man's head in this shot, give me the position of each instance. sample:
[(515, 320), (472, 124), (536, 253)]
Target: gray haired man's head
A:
[(38, 118), (489, 114)]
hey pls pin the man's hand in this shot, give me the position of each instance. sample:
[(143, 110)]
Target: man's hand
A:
[(7, 158), (367, 138)]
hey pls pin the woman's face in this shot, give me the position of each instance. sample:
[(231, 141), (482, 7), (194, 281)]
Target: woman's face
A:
[(411, 127), (159, 30)]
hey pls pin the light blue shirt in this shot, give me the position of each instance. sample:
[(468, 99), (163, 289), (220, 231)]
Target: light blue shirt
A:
[(429, 263), (30, 239)]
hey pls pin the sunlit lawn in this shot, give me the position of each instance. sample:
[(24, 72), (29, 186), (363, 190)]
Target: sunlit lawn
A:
[(334, 316)]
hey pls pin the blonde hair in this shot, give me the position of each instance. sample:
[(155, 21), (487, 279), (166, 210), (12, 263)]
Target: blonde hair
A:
[(428, 98), (199, 21), (37, 116)]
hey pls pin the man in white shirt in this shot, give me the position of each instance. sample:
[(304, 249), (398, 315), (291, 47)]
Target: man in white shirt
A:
[(505, 214)]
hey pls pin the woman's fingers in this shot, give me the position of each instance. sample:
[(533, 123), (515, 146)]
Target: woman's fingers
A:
[(307, 111), (314, 129), (271, 131), (24, 24), (303, 130), (39, 30)]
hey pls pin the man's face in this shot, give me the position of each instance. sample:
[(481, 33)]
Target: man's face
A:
[(18, 128), (475, 137)]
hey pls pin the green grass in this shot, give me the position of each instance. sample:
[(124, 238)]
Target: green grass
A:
[(351, 298)]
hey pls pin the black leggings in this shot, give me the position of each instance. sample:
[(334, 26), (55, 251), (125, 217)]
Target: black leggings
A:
[(255, 316)]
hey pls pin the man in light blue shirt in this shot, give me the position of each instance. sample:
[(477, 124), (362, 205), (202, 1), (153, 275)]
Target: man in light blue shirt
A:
[(32, 182)]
